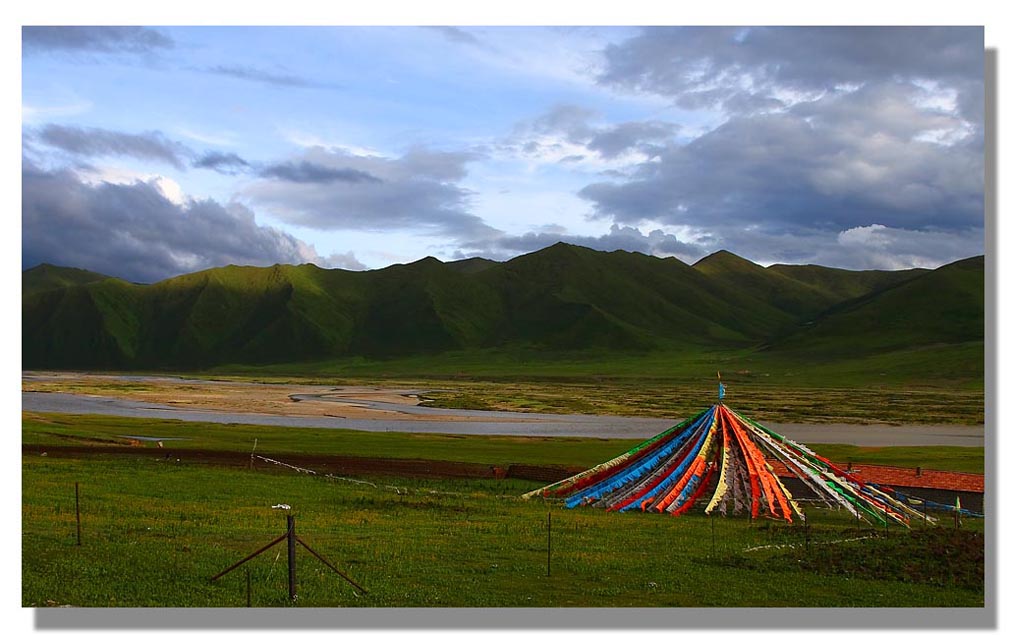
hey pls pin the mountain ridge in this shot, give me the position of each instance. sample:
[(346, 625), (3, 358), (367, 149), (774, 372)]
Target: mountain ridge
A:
[(561, 298)]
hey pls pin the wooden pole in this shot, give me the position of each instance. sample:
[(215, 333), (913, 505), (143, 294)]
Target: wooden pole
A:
[(77, 507), (292, 594), (248, 589)]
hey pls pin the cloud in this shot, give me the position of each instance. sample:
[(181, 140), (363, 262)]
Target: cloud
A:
[(94, 142), (655, 243), (253, 74), (614, 141), (852, 159), (330, 189), (825, 132), (308, 172), (342, 261), (223, 162), (94, 39), (458, 36), (95, 176), (569, 133), (879, 247), (859, 247), (747, 69), (32, 113), (216, 139), (132, 230)]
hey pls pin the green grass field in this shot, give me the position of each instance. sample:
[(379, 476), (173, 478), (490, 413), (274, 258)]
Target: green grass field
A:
[(154, 532), (69, 429), (949, 366)]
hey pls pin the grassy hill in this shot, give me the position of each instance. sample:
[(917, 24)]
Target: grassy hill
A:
[(801, 291), (46, 277), (841, 284), (935, 308), (557, 301)]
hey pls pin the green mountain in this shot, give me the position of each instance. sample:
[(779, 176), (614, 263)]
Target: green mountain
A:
[(802, 291), (841, 284), (797, 298), (562, 298), (471, 265), (46, 277), (940, 307)]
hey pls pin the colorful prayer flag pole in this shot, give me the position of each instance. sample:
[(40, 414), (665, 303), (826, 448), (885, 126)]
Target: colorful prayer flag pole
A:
[(719, 457)]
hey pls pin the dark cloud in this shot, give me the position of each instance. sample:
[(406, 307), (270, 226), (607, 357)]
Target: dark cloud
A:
[(856, 159), (613, 141), (748, 68), (93, 142), (327, 189), (308, 172), (655, 243), (223, 162), (133, 231), (253, 74), (854, 147), (94, 39)]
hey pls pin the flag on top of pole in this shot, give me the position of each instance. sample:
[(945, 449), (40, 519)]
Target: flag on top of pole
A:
[(722, 389)]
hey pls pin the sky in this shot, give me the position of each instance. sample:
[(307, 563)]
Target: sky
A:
[(148, 152)]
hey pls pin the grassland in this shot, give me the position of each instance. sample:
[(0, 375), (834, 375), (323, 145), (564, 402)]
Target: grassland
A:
[(774, 405), (954, 366), (646, 397), (52, 429), (154, 532)]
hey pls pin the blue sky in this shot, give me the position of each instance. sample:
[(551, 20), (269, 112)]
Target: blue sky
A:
[(153, 151)]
